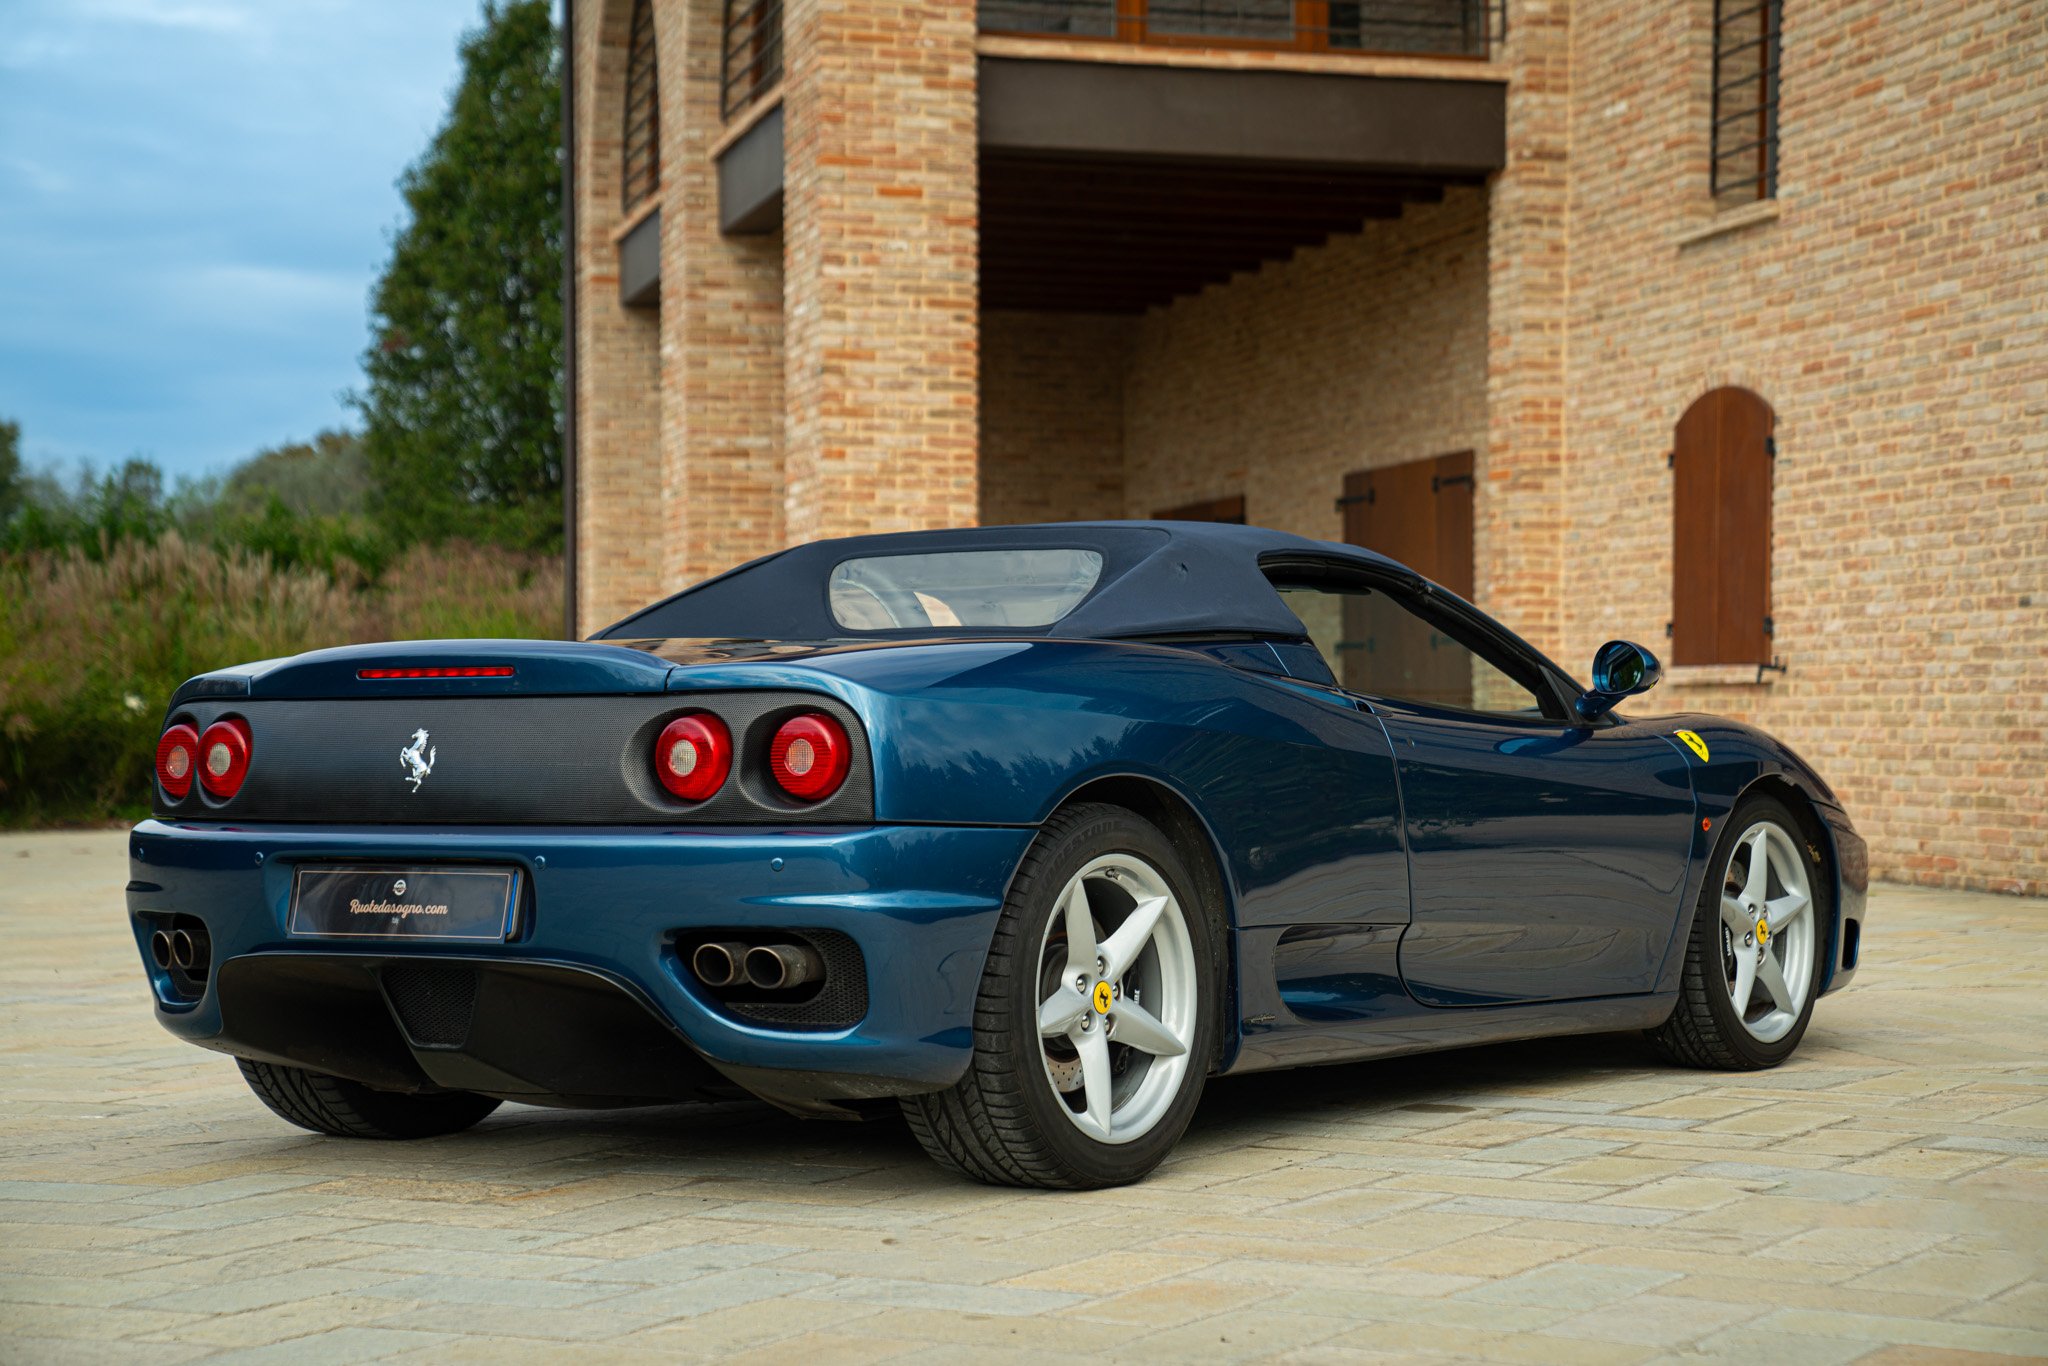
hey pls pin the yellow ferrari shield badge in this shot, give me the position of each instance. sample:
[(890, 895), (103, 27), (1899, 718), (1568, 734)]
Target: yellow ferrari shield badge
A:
[(1102, 998), (1694, 743)]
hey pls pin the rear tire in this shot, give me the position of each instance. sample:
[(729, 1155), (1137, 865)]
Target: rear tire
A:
[(1728, 1018), (1078, 1087), (349, 1109)]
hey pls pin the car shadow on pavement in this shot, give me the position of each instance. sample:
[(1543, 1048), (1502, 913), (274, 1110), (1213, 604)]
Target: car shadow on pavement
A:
[(753, 1140)]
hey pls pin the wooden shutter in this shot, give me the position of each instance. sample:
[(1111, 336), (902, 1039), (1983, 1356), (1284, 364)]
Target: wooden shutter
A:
[(1721, 531), (1229, 510), (1419, 513)]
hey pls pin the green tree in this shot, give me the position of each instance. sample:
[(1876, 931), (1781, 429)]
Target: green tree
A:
[(10, 471), (324, 477), (463, 405)]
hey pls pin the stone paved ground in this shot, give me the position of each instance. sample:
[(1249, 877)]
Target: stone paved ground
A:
[(1884, 1197)]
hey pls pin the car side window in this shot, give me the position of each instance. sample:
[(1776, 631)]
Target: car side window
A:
[(1378, 646)]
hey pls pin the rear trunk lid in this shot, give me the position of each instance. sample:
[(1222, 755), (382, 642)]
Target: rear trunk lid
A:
[(506, 731)]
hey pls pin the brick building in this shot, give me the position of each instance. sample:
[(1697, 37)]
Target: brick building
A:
[(1722, 325)]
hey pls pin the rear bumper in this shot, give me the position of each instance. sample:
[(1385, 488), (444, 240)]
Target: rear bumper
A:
[(1852, 895), (593, 952)]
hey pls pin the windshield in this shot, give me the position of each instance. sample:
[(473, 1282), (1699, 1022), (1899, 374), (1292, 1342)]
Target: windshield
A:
[(965, 588)]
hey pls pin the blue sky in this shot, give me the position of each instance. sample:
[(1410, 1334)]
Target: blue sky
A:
[(195, 199)]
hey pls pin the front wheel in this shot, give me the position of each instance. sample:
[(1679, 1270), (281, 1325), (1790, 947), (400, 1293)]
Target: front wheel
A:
[(1754, 959), (349, 1109), (1097, 1016)]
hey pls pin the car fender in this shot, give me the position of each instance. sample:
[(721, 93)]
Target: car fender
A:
[(1740, 760)]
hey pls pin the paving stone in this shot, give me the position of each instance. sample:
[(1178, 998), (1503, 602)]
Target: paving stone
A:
[(1570, 1201), (965, 1299), (1571, 1286), (1656, 1320)]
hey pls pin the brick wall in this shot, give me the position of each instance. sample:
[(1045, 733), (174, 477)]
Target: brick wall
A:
[(1367, 351), (1889, 306), (721, 329), (619, 469), (879, 266), (1519, 505), (1893, 316), (1052, 416)]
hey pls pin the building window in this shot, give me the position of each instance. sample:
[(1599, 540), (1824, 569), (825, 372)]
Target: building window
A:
[(1461, 28), (1721, 531), (1229, 510), (1745, 133), (642, 135), (751, 62)]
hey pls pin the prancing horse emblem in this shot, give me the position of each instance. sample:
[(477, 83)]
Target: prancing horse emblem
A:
[(417, 758)]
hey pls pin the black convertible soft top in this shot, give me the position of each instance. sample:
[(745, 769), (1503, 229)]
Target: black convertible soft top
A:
[(1157, 579)]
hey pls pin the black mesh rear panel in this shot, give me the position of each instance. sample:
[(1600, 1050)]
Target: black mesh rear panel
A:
[(435, 1001), (841, 1002)]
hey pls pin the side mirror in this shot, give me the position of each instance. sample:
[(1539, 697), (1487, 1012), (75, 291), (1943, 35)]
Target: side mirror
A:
[(1620, 669)]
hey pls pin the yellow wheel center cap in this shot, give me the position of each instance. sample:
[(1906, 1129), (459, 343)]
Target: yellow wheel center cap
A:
[(1763, 930), (1103, 996)]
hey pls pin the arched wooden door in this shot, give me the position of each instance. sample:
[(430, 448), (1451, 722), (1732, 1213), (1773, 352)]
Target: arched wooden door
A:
[(1721, 460)]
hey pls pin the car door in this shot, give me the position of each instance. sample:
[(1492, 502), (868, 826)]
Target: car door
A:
[(1546, 856)]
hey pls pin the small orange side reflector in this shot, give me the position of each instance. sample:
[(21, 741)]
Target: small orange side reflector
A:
[(1706, 824)]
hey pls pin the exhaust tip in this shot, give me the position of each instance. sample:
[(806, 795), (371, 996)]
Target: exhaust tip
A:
[(719, 965), (160, 950), (183, 952), (776, 967)]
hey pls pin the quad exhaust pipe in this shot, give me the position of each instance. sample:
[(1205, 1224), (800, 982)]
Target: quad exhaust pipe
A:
[(185, 949), (720, 964), (770, 967), (774, 967)]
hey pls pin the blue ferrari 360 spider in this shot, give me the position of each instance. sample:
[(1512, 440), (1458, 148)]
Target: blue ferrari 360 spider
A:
[(1028, 830)]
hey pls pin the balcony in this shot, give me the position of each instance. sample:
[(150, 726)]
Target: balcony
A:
[(1137, 151), (1432, 28)]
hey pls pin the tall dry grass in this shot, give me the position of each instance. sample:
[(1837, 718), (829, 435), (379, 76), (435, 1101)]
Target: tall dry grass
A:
[(90, 649)]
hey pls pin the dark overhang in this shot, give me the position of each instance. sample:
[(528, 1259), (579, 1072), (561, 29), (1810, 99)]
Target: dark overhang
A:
[(640, 263), (1115, 187), (750, 178), (1406, 125)]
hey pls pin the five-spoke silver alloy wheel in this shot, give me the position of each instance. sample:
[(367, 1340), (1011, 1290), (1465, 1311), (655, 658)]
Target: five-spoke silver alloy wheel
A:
[(1118, 998), (1767, 931)]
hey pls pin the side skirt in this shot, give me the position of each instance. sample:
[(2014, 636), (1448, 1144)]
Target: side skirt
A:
[(1317, 994)]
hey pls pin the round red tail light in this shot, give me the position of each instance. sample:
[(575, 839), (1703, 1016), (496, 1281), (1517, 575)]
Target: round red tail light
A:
[(810, 756), (224, 757), (693, 756), (177, 754)]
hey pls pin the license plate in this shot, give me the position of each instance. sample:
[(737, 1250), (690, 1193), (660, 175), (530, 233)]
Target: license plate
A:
[(359, 902)]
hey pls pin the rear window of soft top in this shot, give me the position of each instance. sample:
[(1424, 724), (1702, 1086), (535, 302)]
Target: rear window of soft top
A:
[(962, 589)]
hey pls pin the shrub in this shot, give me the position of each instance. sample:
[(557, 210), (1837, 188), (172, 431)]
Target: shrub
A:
[(93, 642)]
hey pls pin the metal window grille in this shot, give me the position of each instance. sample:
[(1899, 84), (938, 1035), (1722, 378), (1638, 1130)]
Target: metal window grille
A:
[(1452, 28), (751, 62), (1745, 134), (642, 136)]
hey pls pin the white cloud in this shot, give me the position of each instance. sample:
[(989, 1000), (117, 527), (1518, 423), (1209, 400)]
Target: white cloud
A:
[(24, 51), (262, 298), (34, 175), (195, 198), (206, 16)]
